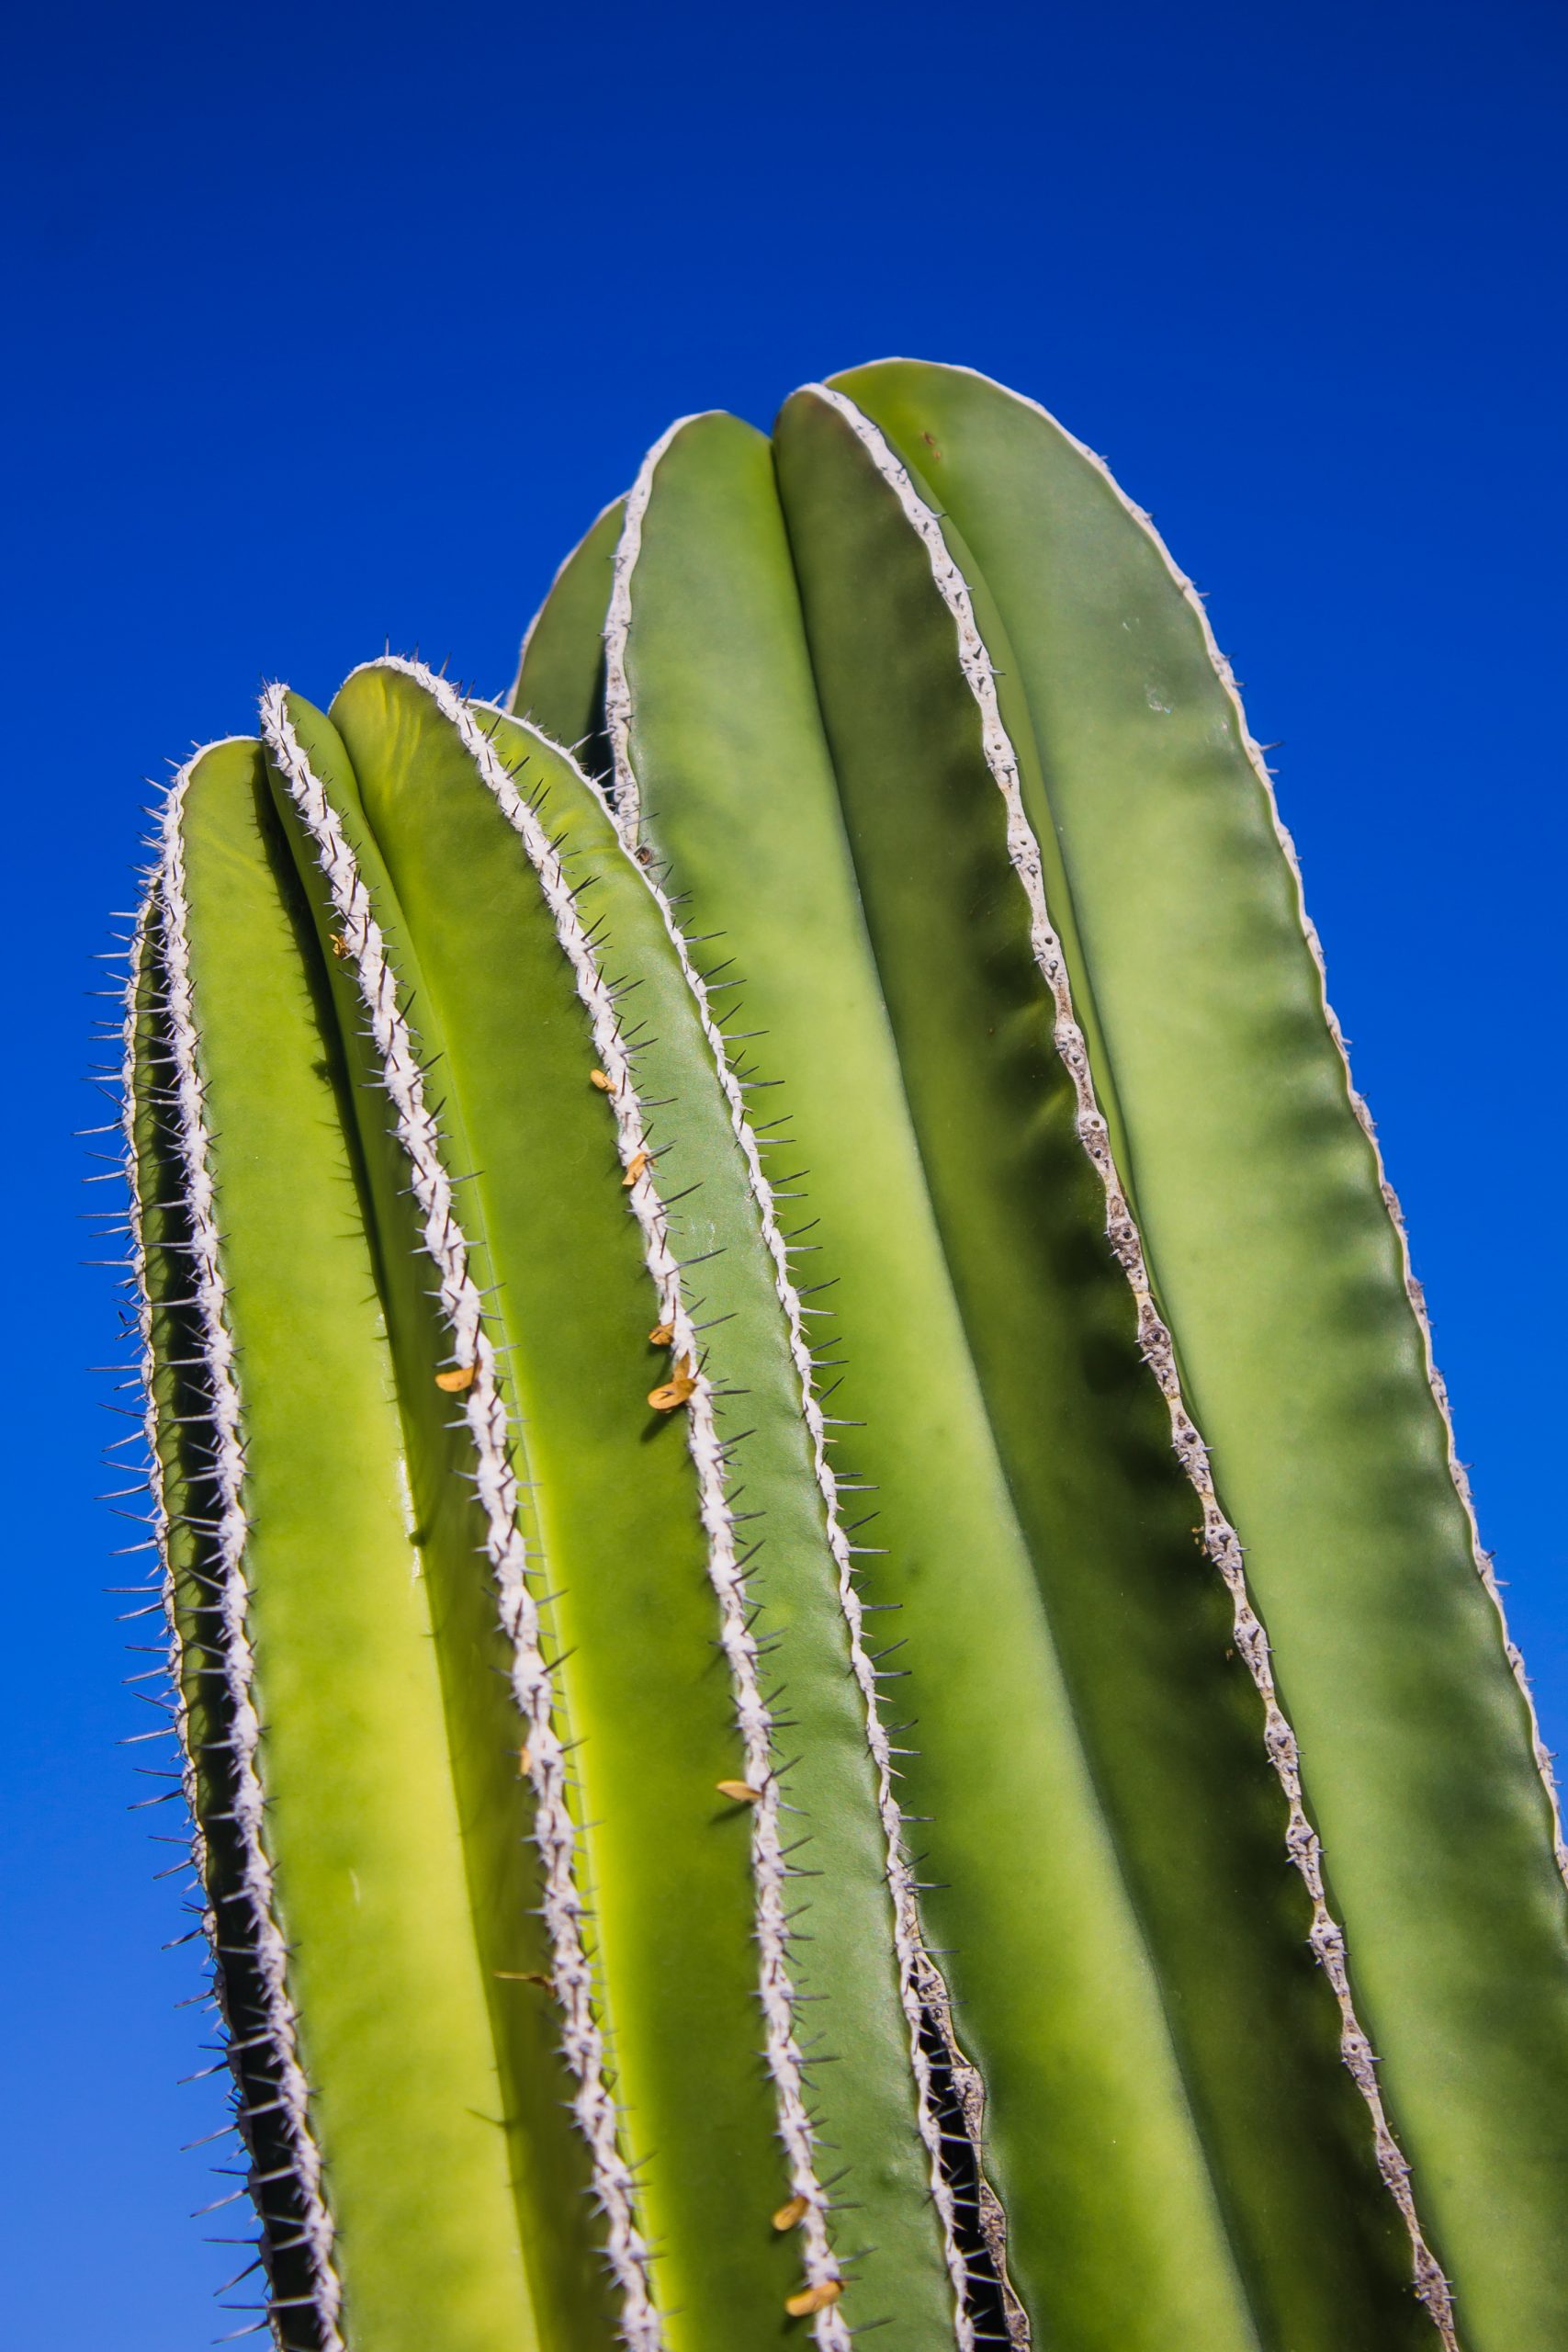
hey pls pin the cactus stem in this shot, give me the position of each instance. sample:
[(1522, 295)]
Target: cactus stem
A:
[(625, 789), (1219, 1539), (1389, 1200), (266, 1950), (922, 1990), (1265, 775), (532, 1680), (710, 1457)]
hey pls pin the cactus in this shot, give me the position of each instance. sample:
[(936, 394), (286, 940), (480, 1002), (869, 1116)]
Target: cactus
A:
[(860, 1131)]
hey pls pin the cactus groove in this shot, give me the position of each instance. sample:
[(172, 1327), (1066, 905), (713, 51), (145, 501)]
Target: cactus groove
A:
[(822, 1115)]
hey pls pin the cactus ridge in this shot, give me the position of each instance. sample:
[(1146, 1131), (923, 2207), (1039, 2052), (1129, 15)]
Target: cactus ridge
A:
[(266, 1951), (1254, 751), (144, 1010), (146, 1015), (625, 790), (485, 1414), (725, 1569), (1220, 1541), (922, 1990)]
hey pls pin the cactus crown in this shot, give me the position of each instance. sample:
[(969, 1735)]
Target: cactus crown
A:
[(860, 1131)]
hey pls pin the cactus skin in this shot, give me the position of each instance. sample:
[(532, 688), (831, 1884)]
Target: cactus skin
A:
[(613, 1501), (714, 674), (547, 1768), (361, 1825), (1286, 1283), (667, 1970)]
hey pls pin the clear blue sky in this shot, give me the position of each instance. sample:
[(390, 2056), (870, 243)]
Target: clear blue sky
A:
[(334, 324)]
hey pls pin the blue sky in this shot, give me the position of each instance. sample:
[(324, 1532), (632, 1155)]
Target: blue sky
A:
[(337, 324)]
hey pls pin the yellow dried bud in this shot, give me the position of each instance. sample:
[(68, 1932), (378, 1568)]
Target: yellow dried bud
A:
[(681, 1386), (815, 2299)]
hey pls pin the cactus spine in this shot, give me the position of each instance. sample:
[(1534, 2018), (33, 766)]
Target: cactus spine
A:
[(887, 1060)]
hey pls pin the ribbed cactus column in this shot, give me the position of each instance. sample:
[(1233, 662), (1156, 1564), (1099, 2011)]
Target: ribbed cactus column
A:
[(330, 1823), (834, 1665), (1283, 1271), (1021, 864), (624, 1549), (1073, 1667)]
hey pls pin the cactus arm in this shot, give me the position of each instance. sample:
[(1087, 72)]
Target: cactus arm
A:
[(503, 953), (863, 2106), (921, 1991), (560, 670), (1176, 1735), (328, 1833), (621, 1524), (871, 2113), (1286, 1282), (530, 1876), (728, 742)]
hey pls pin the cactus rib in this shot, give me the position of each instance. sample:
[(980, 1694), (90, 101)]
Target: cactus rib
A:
[(482, 1410), (647, 1701), (268, 1951), (1364, 1120), (922, 1991), (626, 794), (728, 1576), (1219, 1540), (145, 1008), (1283, 1277), (1258, 763)]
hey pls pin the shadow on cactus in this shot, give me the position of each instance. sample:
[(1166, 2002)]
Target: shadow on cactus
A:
[(834, 1665)]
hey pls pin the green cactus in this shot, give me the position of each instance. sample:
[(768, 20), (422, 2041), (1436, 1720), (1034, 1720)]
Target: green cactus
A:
[(862, 1131)]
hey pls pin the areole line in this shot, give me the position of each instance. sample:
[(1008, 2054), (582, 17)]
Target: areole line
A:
[(145, 1011), (742, 1655), (923, 1993), (625, 790), (155, 1013), (533, 1683), (266, 1947), (1220, 1542)]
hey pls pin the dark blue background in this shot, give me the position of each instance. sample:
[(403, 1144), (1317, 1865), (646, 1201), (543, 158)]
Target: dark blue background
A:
[(334, 324)]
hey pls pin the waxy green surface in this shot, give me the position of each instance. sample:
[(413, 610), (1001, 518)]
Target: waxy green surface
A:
[(484, 1730), (729, 746), (362, 1826), (1166, 1708), (614, 1503), (1283, 1276), (1180, 2155)]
